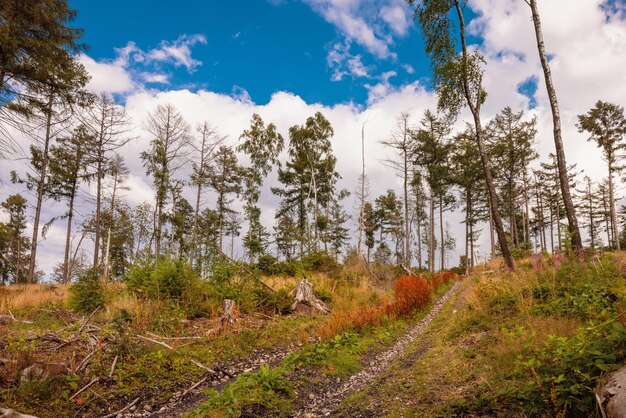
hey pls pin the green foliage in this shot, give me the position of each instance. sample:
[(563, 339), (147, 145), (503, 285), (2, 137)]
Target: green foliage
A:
[(167, 279), (87, 293), (565, 371)]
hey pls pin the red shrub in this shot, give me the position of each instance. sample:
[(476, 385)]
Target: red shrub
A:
[(412, 293)]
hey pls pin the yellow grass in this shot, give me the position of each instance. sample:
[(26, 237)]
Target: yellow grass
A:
[(32, 296)]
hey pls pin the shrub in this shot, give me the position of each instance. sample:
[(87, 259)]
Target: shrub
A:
[(87, 293), (412, 293), (267, 263), (167, 279)]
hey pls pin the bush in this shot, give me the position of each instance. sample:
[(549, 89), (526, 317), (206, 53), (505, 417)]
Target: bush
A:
[(167, 279), (267, 263), (87, 293), (412, 293)]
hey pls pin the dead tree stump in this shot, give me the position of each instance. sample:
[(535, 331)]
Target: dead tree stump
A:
[(612, 395), (305, 295), (230, 312), (10, 413)]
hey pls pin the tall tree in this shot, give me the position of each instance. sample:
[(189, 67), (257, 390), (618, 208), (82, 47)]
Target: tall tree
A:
[(556, 121), (370, 226), (590, 205), (309, 176), (225, 179), (402, 142), (169, 149), (68, 168), (262, 144), (457, 78), (432, 151), (37, 50), (110, 126), (511, 139), (14, 256), (606, 125), (203, 146), (119, 174)]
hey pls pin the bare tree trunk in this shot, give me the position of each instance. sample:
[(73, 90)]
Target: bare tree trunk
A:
[(66, 258), (40, 191), (570, 211), (491, 233), (612, 209), (431, 234), (362, 196), (467, 232), (419, 241), (407, 226), (194, 234), (443, 239), (551, 228), (475, 109)]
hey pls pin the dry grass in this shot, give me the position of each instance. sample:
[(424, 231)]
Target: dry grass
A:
[(33, 296)]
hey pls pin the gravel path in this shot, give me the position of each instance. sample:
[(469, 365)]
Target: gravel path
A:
[(323, 402)]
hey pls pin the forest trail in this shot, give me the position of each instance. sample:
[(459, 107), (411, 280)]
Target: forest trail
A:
[(323, 401), (317, 400)]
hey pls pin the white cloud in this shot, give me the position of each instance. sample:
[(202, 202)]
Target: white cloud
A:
[(353, 19), (343, 63), (155, 78), (397, 18), (178, 52), (106, 77)]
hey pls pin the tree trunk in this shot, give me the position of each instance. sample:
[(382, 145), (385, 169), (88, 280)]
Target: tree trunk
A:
[(362, 196), (475, 109), (66, 258), (612, 209), (407, 226), (467, 232), (431, 234), (194, 234), (40, 192), (492, 238), (570, 211), (443, 239)]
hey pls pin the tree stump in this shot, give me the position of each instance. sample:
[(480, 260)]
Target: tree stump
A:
[(612, 396), (305, 295), (10, 413), (230, 312)]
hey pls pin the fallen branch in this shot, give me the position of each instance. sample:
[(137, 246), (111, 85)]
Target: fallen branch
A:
[(87, 386), (156, 342), (113, 366), (88, 319), (195, 385), (23, 321), (174, 338), (202, 366), (126, 408)]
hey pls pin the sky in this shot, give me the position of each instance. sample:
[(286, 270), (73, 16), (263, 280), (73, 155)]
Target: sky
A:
[(357, 61)]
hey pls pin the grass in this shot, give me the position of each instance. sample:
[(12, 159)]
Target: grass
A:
[(521, 344)]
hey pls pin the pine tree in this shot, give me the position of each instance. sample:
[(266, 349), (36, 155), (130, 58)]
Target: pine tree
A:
[(590, 207), (14, 255), (225, 179), (262, 145), (68, 169), (169, 149), (606, 125)]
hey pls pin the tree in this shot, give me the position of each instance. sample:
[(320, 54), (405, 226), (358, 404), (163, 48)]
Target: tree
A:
[(203, 154), (511, 141), (309, 176), (390, 222), (591, 207), (119, 174), (68, 168), (370, 225), (110, 126), (402, 142), (169, 149), (457, 79), (468, 175), (37, 50), (558, 140), (362, 194), (432, 151), (262, 144), (14, 256), (225, 179), (606, 125)]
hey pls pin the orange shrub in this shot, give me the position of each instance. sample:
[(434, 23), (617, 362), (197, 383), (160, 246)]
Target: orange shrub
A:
[(412, 293)]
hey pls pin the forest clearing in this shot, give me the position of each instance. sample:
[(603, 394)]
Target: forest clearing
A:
[(304, 208)]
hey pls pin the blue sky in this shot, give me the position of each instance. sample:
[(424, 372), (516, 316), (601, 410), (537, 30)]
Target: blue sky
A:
[(261, 46)]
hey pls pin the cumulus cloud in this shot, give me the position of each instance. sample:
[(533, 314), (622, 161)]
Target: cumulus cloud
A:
[(343, 63), (106, 77)]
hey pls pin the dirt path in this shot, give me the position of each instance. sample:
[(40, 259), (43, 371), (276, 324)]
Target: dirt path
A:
[(324, 400)]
